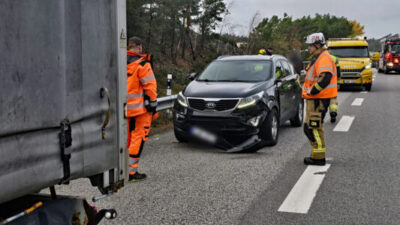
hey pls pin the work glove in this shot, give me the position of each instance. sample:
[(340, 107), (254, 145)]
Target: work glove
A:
[(151, 107)]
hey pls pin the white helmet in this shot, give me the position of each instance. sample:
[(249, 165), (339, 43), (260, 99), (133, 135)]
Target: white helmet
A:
[(315, 38)]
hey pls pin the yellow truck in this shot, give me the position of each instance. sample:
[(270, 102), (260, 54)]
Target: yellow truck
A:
[(354, 61)]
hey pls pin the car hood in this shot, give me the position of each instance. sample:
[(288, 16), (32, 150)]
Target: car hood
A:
[(204, 89)]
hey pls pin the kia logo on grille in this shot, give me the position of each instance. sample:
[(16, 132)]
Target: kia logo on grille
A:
[(210, 105)]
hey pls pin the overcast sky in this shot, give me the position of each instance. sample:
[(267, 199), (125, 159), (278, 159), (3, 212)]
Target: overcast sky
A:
[(380, 17)]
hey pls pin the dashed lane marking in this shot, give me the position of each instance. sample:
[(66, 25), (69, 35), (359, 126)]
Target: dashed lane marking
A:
[(304, 191), (364, 92), (357, 102), (344, 124)]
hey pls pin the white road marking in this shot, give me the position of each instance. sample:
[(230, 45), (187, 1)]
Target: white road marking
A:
[(364, 92), (304, 191), (344, 124), (357, 102)]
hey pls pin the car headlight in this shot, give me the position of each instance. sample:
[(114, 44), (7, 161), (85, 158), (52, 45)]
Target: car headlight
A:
[(182, 100), (250, 101), (390, 64), (368, 66)]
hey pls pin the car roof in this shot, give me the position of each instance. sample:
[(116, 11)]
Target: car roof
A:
[(249, 57), (347, 43)]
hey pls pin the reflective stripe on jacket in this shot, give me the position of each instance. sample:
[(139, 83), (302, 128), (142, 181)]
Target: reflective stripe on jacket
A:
[(140, 81), (323, 64)]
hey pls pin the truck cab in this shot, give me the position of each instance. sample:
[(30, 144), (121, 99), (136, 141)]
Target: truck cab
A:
[(354, 61), (390, 56)]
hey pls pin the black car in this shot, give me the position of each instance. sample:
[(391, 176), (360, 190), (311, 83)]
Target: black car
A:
[(238, 102)]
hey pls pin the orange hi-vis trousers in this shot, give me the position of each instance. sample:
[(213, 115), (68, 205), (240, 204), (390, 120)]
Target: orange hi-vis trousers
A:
[(138, 133)]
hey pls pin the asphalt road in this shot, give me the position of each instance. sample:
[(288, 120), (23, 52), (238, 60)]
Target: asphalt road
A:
[(192, 184)]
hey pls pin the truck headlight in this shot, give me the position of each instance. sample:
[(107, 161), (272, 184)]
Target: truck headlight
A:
[(250, 101), (182, 100), (390, 64), (368, 66)]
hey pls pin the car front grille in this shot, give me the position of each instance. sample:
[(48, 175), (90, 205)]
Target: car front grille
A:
[(218, 105), (350, 75), (351, 70)]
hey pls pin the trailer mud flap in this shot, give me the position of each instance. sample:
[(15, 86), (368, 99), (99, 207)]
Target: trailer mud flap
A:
[(65, 136)]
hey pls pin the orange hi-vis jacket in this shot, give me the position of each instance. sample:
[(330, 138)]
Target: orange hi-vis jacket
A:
[(323, 64), (141, 81)]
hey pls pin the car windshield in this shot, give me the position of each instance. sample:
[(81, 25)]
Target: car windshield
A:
[(350, 52), (396, 49), (237, 71)]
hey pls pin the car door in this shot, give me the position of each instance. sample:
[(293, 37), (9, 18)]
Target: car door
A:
[(290, 78), (283, 87)]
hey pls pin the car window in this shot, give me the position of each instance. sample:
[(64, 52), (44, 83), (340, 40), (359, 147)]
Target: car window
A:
[(350, 52), (286, 68), (278, 70)]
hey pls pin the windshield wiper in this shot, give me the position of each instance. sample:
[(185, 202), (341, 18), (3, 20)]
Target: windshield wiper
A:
[(207, 80), (231, 81)]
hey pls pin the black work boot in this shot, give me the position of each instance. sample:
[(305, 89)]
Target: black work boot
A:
[(333, 117), (317, 162), (137, 177)]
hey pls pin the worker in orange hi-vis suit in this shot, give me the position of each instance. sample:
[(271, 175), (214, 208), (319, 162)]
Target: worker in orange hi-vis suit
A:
[(141, 103)]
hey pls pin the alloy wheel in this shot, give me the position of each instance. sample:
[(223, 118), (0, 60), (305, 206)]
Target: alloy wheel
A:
[(274, 127)]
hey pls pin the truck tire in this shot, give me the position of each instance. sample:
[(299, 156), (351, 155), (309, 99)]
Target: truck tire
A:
[(297, 120), (368, 87), (269, 130), (385, 70), (179, 136)]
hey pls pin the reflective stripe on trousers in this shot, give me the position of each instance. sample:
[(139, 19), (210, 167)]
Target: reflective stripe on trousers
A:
[(133, 165)]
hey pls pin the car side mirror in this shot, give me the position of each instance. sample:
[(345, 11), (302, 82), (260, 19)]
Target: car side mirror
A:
[(192, 76)]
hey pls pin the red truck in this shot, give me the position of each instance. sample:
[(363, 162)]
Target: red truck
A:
[(390, 55)]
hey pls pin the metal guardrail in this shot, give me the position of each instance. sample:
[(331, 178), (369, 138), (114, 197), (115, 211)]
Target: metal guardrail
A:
[(166, 102)]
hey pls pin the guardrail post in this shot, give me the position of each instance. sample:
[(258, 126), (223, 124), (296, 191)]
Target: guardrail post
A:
[(169, 92)]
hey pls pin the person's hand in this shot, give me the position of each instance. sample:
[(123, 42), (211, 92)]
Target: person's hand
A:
[(152, 106)]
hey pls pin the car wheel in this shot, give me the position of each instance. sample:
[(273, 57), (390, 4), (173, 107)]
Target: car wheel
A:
[(269, 131), (297, 120), (368, 87), (179, 136)]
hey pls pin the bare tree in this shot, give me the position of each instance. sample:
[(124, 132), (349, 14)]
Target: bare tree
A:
[(251, 38)]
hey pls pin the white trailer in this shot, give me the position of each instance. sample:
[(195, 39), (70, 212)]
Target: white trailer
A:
[(62, 94)]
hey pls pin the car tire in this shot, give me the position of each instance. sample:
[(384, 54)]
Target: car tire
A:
[(269, 130), (368, 87), (297, 120), (179, 136)]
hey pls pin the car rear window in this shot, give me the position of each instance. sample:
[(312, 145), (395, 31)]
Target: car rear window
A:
[(237, 71)]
